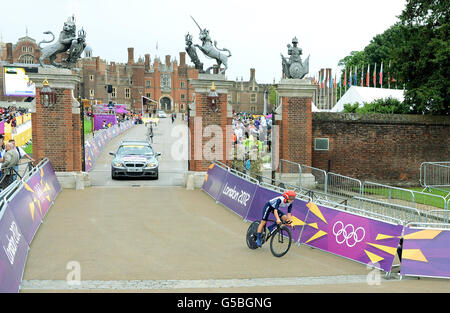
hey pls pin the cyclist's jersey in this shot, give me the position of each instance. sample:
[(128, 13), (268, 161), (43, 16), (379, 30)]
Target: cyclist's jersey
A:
[(278, 202)]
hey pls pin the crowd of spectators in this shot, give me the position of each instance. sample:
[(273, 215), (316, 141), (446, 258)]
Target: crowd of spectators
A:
[(252, 134), (9, 115)]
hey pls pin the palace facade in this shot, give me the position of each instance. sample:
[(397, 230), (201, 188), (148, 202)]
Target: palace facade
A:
[(163, 83)]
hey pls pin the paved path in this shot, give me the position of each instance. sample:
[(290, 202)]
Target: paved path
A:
[(160, 238)]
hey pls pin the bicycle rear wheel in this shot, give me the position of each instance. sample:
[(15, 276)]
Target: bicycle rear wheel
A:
[(251, 235), (281, 241)]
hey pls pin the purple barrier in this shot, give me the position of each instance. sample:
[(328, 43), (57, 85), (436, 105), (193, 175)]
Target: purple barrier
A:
[(237, 194), (426, 252), (355, 237), (94, 147), (299, 210), (214, 180), (33, 200), (2, 127), (108, 118), (13, 253)]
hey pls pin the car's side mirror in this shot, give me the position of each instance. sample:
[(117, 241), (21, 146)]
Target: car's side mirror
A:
[(112, 153), (158, 154)]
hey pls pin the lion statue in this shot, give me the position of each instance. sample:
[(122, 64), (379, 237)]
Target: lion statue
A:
[(65, 40)]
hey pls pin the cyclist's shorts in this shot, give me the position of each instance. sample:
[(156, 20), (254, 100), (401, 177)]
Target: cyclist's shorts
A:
[(269, 209)]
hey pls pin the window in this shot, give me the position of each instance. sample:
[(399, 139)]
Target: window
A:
[(229, 98), (30, 49), (182, 85), (253, 98), (91, 92), (148, 95), (321, 144), (127, 93), (165, 81), (182, 97), (147, 83), (253, 109), (113, 93), (24, 49), (91, 77)]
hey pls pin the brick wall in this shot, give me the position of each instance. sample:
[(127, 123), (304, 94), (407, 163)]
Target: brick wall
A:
[(206, 117), (295, 132), (378, 147), (56, 132)]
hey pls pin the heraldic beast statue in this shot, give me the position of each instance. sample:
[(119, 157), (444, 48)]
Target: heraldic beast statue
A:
[(67, 43)]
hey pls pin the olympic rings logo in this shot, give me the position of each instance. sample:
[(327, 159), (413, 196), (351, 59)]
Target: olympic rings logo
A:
[(348, 234)]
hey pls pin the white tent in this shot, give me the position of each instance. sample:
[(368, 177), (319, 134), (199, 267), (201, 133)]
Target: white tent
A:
[(360, 95)]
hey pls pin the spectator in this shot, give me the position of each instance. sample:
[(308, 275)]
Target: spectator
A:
[(9, 160), (22, 154)]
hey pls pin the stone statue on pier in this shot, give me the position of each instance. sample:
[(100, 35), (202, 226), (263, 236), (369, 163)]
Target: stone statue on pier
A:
[(294, 67), (67, 43)]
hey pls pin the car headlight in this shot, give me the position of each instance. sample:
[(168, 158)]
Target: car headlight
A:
[(116, 164), (149, 165)]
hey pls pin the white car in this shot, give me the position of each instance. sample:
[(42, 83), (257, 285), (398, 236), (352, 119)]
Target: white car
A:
[(161, 114)]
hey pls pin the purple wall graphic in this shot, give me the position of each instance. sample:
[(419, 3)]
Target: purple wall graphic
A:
[(214, 180), (237, 194), (94, 146), (426, 252), (13, 253), (355, 237)]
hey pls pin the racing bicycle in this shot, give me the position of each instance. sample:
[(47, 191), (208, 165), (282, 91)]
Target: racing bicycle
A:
[(280, 237)]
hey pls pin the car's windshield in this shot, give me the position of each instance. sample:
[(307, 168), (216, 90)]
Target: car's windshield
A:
[(135, 150)]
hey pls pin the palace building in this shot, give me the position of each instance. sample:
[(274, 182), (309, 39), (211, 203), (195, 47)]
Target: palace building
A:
[(163, 84)]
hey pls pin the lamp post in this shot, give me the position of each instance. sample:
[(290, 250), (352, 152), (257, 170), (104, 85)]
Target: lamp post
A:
[(213, 98), (48, 96)]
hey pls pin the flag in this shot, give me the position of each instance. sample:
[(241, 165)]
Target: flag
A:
[(381, 75), (350, 78), (334, 81), (389, 75), (355, 81), (362, 76), (375, 75), (345, 78), (368, 77)]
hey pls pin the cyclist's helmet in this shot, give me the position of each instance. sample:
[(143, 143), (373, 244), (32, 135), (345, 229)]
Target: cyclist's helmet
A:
[(289, 195)]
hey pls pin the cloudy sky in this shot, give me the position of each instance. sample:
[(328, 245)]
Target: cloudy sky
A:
[(255, 31)]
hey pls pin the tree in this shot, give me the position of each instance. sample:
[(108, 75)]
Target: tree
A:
[(383, 106), (423, 56)]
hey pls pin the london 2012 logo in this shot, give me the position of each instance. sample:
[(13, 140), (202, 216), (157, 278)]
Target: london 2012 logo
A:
[(348, 234)]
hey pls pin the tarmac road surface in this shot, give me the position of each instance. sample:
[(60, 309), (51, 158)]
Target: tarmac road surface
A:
[(113, 237)]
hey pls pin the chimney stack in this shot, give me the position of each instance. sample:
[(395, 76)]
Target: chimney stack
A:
[(147, 62), (9, 54), (252, 74), (182, 58), (168, 60), (130, 56)]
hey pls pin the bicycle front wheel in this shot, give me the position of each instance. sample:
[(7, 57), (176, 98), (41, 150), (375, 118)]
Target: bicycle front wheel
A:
[(280, 242)]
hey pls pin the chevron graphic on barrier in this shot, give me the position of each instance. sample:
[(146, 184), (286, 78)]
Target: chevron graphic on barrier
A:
[(319, 234), (414, 255), (423, 234), (387, 249), (316, 211), (373, 257)]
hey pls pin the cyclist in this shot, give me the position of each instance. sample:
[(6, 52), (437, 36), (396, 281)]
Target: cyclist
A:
[(273, 206)]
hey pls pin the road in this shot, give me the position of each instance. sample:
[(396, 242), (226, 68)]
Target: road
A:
[(139, 236), (173, 162)]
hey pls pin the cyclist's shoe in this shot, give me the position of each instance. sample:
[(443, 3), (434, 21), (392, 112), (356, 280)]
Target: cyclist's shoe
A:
[(258, 241)]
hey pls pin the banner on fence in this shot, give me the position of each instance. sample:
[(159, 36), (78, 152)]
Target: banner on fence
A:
[(299, 209), (237, 194), (13, 253), (33, 200), (214, 180), (426, 252), (94, 146), (352, 236)]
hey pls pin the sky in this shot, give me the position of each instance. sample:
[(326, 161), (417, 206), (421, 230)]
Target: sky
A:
[(255, 31)]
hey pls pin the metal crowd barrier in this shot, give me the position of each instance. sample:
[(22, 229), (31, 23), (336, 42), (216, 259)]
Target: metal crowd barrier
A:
[(435, 175)]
